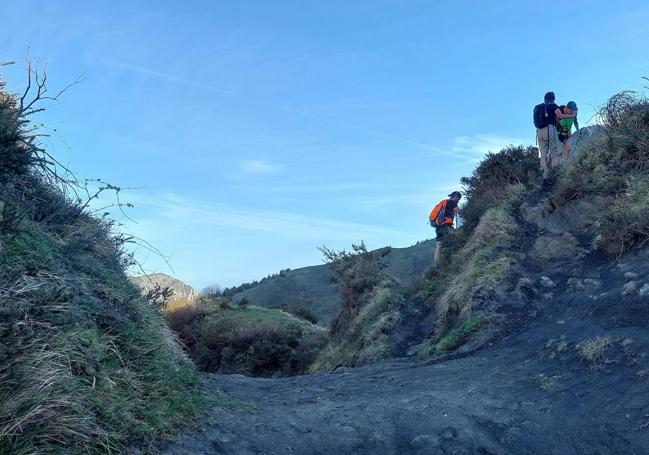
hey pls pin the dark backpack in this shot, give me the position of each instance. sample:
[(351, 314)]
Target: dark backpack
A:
[(541, 115)]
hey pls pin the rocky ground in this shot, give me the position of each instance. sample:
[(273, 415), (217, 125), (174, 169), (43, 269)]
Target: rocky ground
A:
[(532, 392)]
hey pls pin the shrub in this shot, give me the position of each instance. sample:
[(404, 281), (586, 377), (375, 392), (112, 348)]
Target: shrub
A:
[(355, 273), (366, 338), (301, 313), (249, 340), (625, 223), (15, 158), (360, 332), (513, 169)]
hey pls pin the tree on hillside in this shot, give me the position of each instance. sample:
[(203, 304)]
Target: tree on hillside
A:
[(355, 273)]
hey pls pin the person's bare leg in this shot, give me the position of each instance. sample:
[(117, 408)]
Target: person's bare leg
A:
[(437, 250), (554, 147), (555, 160), (566, 150)]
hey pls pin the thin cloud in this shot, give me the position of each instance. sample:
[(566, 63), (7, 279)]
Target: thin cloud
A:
[(171, 210), (164, 76), (259, 167), (476, 147), (455, 151)]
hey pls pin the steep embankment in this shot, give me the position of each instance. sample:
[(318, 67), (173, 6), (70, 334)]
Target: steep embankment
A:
[(86, 365), (312, 287)]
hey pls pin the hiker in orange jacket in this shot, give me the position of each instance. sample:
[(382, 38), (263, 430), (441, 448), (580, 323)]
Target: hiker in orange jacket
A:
[(442, 219)]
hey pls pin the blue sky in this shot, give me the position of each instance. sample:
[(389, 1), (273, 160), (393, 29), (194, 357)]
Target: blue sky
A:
[(261, 130)]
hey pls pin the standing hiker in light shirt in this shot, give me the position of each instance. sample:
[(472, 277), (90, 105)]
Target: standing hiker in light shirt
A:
[(546, 115)]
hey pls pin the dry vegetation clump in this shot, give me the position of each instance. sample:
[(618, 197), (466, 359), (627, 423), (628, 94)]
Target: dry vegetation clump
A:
[(481, 264), (360, 333), (626, 224), (366, 338), (591, 351), (223, 338), (547, 383)]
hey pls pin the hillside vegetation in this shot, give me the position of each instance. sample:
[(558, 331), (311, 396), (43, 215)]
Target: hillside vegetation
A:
[(86, 364), (226, 338), (601, 194)]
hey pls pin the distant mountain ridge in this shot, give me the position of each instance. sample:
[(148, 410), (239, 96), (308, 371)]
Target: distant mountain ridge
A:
[(312, 287), (181, 289)]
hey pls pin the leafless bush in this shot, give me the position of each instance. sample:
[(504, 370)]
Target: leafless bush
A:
[(159, 296)]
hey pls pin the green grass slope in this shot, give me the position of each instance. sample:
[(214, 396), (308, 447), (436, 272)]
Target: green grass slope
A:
[(86, 366)]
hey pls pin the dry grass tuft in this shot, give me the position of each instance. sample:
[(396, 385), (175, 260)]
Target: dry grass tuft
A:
[(625, 224), (592, 351), (486, 260), (547, 383)]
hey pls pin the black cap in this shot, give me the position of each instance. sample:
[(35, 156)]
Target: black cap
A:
[(455, 193)]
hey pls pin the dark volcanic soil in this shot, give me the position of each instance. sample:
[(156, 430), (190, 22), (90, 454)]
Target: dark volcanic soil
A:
[(492, 401)]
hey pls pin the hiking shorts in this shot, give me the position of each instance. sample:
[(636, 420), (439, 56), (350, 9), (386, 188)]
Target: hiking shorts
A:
[(549, 143)]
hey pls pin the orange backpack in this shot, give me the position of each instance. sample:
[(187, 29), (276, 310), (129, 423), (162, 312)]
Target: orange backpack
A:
[(437, 217)]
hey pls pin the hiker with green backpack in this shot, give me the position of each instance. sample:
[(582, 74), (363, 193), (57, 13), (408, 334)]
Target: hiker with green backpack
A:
[(442, 217), (545, 117), (565, 127)]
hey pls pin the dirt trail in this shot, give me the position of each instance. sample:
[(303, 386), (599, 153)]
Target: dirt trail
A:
[(526, 394), (487, 403)]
